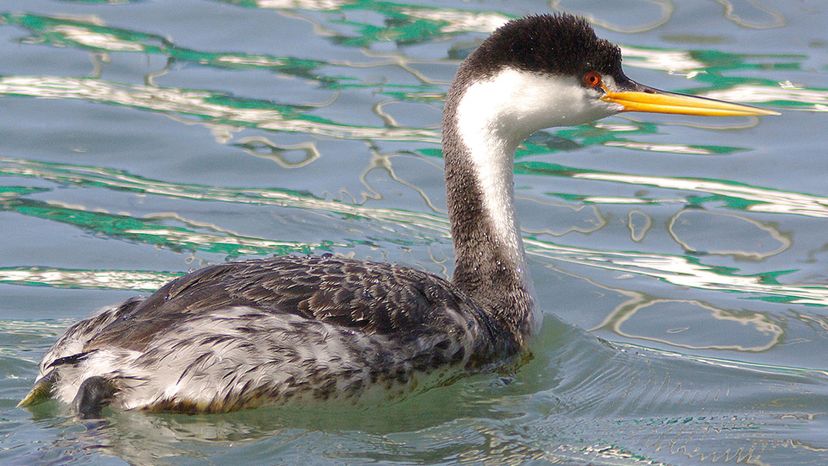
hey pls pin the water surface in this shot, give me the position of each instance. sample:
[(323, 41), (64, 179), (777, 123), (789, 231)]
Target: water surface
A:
[(681, 262)]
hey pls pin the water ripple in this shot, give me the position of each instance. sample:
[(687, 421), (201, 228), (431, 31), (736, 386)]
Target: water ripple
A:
[(202, 105), (678, 270)]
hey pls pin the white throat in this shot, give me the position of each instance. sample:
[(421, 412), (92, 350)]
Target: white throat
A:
[(494, 116)]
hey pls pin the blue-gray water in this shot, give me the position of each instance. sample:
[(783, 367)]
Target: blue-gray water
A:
[(681, 262)]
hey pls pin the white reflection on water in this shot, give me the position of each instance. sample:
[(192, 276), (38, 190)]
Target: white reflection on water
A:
[(666, 8), (782, 240), (776, 19), (638, 230), (678, 270), (68, 278), (665, 60), (767, 200), (818, 99), (320, 5), (651, 147), (177, 236), (251, 60), (200, 104), (258, 196), (764, 334), (262, 147), (382, 161), (96, 39), (460, 21), (630, 200)]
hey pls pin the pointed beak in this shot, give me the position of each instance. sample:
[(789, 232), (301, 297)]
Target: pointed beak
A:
[(634, 97)]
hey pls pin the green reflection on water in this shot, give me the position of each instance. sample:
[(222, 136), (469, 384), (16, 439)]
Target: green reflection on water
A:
[(157, 233), (205, 106), (681, 270), (10, 192), (734, 194), (404, 23), (222, 108), (85, 35)]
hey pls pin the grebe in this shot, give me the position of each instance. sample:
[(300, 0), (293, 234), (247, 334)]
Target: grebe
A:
[(285, 329)]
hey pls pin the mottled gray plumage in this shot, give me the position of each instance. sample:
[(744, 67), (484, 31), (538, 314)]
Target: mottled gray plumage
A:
[(277, 330)]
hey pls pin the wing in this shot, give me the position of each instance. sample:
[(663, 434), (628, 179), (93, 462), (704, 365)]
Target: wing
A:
[(372, 297)]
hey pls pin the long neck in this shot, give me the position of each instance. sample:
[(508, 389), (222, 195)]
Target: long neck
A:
[(490, 264)]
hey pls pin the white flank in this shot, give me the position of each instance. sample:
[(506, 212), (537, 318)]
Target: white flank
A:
[(196, 372)]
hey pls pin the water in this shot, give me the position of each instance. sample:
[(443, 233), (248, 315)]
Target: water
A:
[(681, 262)]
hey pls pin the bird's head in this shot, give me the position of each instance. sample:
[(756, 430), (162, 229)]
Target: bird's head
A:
[(552, 70)]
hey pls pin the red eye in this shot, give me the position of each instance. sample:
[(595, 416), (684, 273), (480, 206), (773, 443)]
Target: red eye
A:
[(592, 79)]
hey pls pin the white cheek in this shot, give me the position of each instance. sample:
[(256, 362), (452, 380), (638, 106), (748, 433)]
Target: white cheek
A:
[(514, 104), (588, 109)]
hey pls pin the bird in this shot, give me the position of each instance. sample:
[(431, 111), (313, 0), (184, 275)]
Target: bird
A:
[(319, 328)]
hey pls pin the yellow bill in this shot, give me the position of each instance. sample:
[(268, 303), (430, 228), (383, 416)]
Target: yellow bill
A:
[(664, 102)]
